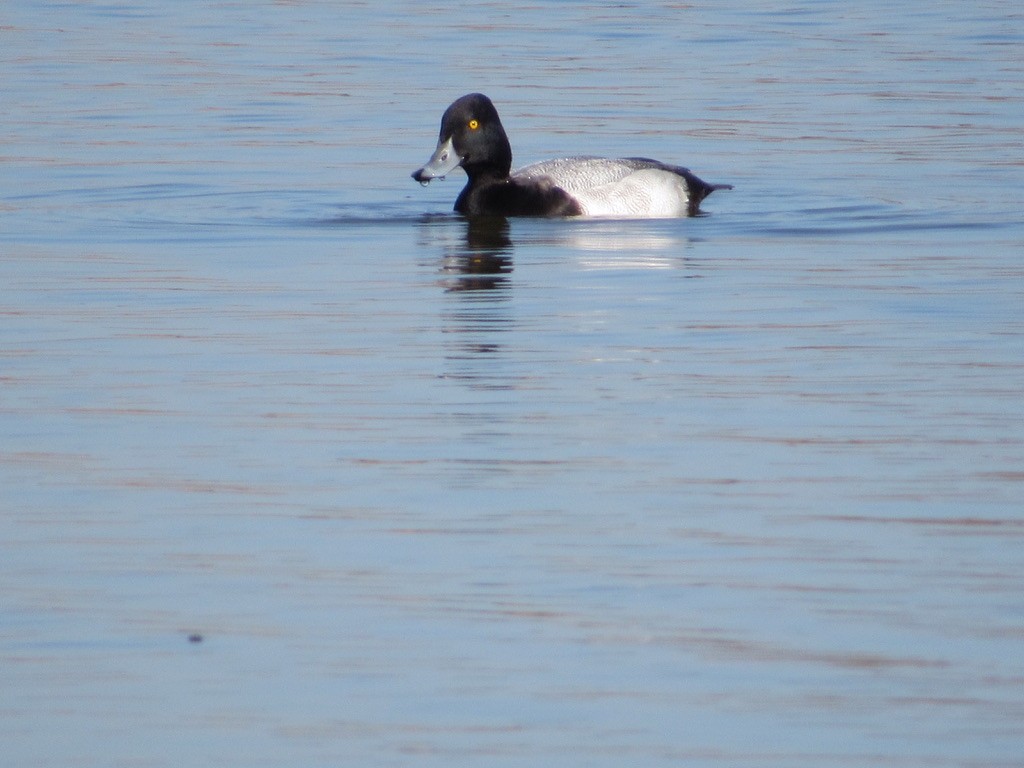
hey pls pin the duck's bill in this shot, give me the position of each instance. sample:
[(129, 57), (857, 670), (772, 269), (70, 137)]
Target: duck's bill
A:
[(444, 160)]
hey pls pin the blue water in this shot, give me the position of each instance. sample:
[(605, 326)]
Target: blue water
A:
[(300, 468)]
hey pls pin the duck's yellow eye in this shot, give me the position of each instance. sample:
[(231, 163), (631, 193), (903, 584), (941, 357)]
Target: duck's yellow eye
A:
[(473, 125)]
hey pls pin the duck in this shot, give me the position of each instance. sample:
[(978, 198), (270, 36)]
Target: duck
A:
[(473, 138)]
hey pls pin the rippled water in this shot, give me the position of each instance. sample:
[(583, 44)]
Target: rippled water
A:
[(299, 468)]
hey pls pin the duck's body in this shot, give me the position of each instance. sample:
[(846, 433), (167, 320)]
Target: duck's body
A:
[(472, 137)]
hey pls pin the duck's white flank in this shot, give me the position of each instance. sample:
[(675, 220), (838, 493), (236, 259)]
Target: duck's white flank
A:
[(629, 187)]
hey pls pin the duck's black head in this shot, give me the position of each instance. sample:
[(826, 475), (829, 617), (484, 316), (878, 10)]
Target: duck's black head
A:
[(471, 136)]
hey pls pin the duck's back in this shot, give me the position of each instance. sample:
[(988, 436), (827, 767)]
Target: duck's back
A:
[(632, 186)]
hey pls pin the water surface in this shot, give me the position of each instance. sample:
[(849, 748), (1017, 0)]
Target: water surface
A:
[(300, 468)]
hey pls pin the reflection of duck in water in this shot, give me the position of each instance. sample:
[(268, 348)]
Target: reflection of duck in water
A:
[(472, 137), (484, 260)]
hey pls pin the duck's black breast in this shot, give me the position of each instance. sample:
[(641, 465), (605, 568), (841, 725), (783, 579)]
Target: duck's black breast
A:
[(492, 196)]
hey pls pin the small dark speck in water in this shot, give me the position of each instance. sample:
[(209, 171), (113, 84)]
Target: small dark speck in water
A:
[(195, 637)]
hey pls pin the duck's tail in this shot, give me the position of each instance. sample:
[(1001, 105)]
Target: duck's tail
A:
[(699, 189)]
